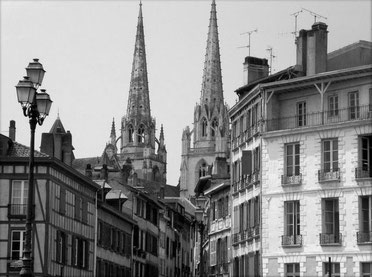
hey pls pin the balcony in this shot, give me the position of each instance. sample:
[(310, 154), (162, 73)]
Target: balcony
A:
[(329, 175), (17, 210), (364, 237), (363, 172), (291, 180), (319, 118), (292, 241), (330, 239)]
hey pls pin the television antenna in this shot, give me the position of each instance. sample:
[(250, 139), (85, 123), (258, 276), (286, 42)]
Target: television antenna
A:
[(314, 14), (249, 40), (270, 50)]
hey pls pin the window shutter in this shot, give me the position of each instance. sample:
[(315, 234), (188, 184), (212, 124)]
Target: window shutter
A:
[(246, 162), (85, 210), (58, 246), (236, 220), (213, 252), (73, 251), (62, 201), (65, 247), (244, 216), (252, 213)]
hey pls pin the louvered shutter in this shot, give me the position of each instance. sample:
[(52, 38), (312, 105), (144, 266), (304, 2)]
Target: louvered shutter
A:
[(236, 220), (213, 252), (247, 162)]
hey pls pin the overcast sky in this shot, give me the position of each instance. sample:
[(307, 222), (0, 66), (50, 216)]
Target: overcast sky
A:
[(87, 47)]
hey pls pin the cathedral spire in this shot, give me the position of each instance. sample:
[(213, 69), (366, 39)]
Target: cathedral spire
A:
[(212, 92), (138, 100), (113, 132)]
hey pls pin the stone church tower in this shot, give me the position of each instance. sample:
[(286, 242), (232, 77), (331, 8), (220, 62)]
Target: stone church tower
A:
[(210, 135), (137, 140)]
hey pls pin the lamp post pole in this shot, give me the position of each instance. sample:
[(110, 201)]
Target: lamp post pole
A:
[(36, 107), (201, 230)]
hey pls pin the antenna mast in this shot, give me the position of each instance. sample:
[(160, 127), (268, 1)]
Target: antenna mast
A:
[(270, 49), (314, 14), (295, 16), (249, 40)]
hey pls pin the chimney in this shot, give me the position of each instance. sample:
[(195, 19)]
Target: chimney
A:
[(67, 148), (12, 130), (220, 167), (316, 61), (89, 171), (254, 69), (301, 47), (104, 172)]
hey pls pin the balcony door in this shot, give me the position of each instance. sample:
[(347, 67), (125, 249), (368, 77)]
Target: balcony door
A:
[(19, 197), (301, 114), (292, 221)]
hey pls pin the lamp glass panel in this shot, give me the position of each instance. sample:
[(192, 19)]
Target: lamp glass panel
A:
[(36, 75), (199, 214), (43, 103), (25, 94)]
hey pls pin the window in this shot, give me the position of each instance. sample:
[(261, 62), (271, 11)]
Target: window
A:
[(62, 201), (19, 197), (17, 244), (204, 125), (292, 223), (130, 133), (366, 269), (330, 155), (333, 105), (353, 105), (365, 158), (292, 270), (335, 267), (292, 164), (61, 247), (370, 101), (141, 134), (365, 217), (214, 127), (78, 208), (301, 114), (331, 225), (80, 252)]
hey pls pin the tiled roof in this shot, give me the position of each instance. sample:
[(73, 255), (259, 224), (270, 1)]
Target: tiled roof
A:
[(20, 150)]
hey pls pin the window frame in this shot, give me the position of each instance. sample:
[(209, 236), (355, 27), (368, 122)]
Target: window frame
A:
[(333, 105), (294, 158), (333, 150), (353, 102), (295, 272), (301, 113)]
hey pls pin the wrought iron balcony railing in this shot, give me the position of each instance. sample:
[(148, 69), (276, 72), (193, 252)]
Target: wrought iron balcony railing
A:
[(292, 240), (291, 180), (329, 175), (17, 210), (363, 172), (364, 237), (319, 118), (329, 239)]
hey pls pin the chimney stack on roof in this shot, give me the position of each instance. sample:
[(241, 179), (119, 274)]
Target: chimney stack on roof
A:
[(12, 130), (312, 49), (254, 69)]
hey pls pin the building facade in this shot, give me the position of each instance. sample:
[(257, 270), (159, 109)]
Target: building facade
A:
[(210, 136), (301, 179), (64, 214)]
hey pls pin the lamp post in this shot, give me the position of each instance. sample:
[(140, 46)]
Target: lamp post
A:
[(36, 106), (199, 215)]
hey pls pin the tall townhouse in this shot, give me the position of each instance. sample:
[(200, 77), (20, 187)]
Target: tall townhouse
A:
[(246, 119), (216, 188), (64, 210), (316, 162)]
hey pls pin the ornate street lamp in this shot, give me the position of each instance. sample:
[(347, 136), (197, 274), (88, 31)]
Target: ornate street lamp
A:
[(36, 106), (199, 216)]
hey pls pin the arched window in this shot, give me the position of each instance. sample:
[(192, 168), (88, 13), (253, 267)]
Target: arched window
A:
[(204, 125), (219, 251), (214, 126), (141, 134), (130, 133), (203, 170)]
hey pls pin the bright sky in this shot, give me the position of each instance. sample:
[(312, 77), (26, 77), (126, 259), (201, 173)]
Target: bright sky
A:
[(87, 47)]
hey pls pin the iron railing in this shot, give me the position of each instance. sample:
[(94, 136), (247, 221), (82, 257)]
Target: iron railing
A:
[(17, 210), (319, 118), (329, 175), (291, 180), (292, 240), (326, 239), (364, 237), (363, 172)]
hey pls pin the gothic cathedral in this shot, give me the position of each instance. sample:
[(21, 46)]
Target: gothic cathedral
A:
[(137, 138), (210, 136)]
